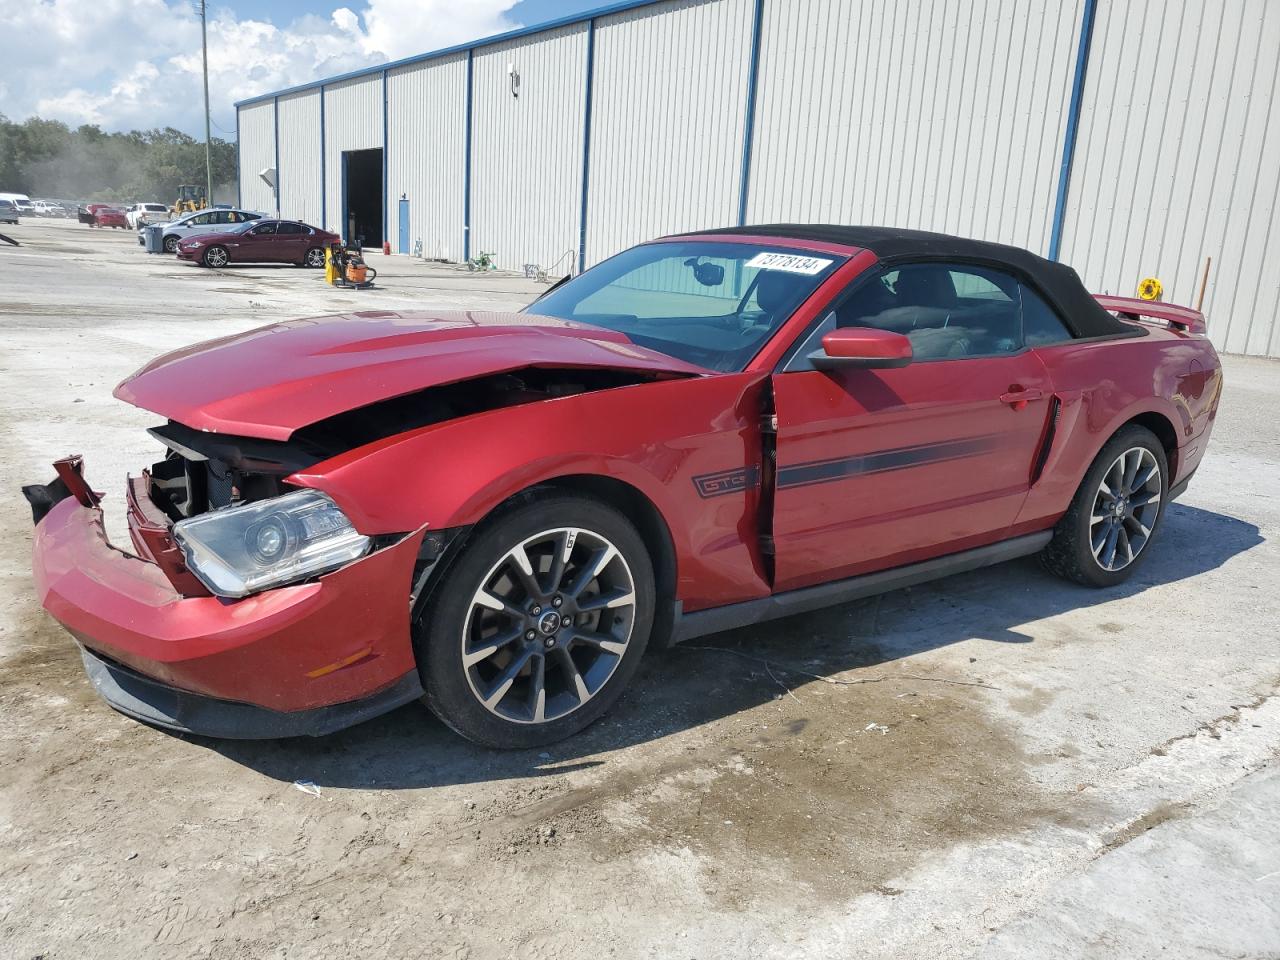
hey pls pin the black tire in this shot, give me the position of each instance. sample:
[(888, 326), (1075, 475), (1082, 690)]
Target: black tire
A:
[(454, 621), (1070, 554), (170, 244), (313, 258), (211, 257)]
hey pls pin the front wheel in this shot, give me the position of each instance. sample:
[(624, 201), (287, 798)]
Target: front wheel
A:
[(215, 257), (170, 244), (539, 624), (1111, 522)]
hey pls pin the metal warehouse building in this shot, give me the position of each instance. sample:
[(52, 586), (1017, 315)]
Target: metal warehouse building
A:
[(1126, 138)]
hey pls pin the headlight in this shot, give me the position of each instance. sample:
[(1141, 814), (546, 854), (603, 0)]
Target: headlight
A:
[(237, 551)]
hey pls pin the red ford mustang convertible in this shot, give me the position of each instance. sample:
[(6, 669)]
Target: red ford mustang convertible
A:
[(501, 511)]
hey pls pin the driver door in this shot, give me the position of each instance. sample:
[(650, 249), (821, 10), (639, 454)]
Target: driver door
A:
[(881, 467), (255, 245), (196, 225)]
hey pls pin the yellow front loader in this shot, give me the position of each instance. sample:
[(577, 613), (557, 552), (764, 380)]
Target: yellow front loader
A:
[(190, 198)]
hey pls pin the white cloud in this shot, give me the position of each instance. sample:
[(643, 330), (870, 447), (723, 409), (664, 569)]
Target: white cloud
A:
[(136, 63)]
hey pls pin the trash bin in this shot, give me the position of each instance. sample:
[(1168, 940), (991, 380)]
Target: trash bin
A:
[(153, 235)]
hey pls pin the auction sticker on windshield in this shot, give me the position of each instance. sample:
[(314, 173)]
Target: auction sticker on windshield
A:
[(789, 262)]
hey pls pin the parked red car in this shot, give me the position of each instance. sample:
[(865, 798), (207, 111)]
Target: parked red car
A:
[(108, 217), (709, 430), (259, 241)]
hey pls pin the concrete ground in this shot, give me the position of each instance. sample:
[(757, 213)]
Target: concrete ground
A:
[(995, 765)]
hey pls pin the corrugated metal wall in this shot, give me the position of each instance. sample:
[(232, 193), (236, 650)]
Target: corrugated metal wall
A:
[(526, 174), (257, 153), (300, 156), (352, 121), (936, 116), (1179, 159), (668, 109), (426, 123), (946, 116)]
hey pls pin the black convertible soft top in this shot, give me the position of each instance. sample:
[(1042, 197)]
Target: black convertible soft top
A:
[(1056, 282)]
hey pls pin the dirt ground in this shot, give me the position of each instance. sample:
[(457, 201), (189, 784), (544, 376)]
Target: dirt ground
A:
[(932, 773)]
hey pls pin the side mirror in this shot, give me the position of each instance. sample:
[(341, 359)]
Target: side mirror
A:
[(861, 347)]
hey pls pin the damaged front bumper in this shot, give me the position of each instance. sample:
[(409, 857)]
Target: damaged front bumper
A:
[(309, 658)]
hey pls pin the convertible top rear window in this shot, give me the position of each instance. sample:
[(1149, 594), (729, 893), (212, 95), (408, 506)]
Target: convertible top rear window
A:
[(710, 303)]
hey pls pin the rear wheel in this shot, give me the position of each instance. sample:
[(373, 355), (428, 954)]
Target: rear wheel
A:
[(215, 257), (539, 624), (313, 258), (1105, 533), (170, 244)]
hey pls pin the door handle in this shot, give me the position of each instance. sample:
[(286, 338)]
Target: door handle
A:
[(1019, 398)]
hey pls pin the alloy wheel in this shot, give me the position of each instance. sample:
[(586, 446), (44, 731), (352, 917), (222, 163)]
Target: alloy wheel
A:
[(548, 625), (314, 257), (1125, 509), (215, 257)]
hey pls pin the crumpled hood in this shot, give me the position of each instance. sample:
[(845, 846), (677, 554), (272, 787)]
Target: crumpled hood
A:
[(274, 380)]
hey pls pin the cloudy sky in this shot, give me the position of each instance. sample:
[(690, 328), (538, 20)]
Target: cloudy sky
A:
[(128, 64)]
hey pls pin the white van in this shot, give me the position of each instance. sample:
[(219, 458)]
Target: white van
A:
[(22, 202)]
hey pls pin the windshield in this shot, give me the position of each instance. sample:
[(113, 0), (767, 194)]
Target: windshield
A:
[(713, 304)]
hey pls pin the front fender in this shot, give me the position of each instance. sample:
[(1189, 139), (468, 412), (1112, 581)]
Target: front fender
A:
[(663, 439)]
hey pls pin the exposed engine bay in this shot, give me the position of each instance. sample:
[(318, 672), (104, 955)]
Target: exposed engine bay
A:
[(205, 471)]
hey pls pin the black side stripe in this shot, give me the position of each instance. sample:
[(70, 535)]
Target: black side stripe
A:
[(825, 471)]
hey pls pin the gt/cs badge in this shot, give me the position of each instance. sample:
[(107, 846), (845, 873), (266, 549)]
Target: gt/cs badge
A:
[(727, 481)]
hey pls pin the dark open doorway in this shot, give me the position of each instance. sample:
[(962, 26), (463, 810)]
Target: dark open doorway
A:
[(362, 197)]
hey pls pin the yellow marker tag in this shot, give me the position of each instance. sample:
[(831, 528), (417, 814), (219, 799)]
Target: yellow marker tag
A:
[(1150, 289)]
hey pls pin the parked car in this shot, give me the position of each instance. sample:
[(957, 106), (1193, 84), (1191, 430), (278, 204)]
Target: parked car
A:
[(709, 430), (48, 208), (143, 214), (261, 241), (25, 207), (205, 221), (8, 212), (110, 217), (88, 212)]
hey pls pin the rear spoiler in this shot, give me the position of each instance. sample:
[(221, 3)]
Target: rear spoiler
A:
[(1180, 318)]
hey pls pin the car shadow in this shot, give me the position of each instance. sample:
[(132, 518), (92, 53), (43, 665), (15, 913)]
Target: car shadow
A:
[(718, 676)]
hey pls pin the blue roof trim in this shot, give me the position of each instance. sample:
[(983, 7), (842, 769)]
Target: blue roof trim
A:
[(275, 115), (584, 17), (586, 144), (749, 120), (466, 162), (386, 170), (1073, 127)]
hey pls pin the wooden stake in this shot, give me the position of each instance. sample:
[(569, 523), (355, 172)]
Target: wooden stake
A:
[(1204, 282)]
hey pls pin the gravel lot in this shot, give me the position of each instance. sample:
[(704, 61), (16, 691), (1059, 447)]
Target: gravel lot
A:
[(1052, 771)]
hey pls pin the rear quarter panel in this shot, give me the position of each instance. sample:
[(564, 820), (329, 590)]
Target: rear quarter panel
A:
[(690, 446), (1103, 384)]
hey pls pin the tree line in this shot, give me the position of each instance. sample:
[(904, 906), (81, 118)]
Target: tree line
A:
[(46, 158)]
